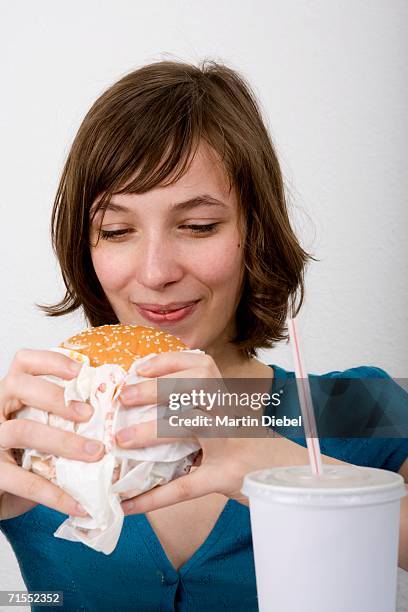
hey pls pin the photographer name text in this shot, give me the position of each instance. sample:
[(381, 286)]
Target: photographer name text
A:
[(178, 420)]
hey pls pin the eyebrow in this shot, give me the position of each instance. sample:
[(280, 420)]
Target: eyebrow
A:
[(201, 200)]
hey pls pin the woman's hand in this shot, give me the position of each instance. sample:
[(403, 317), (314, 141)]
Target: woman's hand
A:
[(223, 462), (20, 489)]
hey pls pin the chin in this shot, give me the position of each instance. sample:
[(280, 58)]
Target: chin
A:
[(187, 338)]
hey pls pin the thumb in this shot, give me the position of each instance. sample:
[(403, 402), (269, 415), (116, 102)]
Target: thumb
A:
[(197, 483)]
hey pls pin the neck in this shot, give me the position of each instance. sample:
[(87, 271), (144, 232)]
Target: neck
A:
[(232, 365), (229, 360)]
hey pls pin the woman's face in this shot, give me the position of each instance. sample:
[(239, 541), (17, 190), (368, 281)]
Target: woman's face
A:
[(157, 259)]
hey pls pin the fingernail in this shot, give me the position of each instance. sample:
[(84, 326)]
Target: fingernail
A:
[(147, 366), (124, 435), (81, 510), (82, 409), (93, 448), (143, 369)]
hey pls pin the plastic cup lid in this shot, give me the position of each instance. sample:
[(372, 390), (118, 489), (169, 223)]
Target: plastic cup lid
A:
[(338, 485)]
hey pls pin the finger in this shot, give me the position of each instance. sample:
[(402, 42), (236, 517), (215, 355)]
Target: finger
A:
[(158, 391), (146, 434), (139, 394), (23, 389), (197, 483), (25, 433), (173, 361), (188, 425), (21, 482), (36, 362)]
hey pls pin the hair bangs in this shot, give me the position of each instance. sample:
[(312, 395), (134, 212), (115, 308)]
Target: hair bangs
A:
[(159, 158)]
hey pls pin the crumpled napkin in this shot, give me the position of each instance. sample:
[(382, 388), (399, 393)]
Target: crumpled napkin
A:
[(122, 473)]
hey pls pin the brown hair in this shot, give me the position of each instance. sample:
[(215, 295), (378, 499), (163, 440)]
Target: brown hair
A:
[(151, 121)]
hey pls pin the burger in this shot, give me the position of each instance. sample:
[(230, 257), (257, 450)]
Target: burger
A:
[(115, 345), (121, 344)]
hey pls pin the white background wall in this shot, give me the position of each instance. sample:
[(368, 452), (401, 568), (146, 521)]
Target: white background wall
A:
[(332, 80)]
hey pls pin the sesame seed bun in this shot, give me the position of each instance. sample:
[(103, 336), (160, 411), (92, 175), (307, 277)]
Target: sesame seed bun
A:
[(121, 344)]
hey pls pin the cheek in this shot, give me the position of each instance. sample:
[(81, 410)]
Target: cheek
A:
[(108, 268), (219, 265)]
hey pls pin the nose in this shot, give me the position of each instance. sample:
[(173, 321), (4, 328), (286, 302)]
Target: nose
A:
[(158, 262)]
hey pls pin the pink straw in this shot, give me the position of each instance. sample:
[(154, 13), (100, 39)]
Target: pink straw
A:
[(305, 400)]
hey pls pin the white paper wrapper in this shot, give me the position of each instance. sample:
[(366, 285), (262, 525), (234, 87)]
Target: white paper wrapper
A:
[(100, 486)]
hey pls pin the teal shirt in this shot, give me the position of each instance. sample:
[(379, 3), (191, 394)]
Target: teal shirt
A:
[(138, 575)]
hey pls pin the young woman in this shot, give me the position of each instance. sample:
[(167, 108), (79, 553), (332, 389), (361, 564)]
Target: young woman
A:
[(171, 199)]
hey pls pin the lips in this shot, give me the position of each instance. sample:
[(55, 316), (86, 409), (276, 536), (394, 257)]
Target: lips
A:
[(169, 317), (162, 308)]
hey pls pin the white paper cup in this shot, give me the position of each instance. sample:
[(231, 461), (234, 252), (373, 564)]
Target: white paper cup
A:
[(325, 543)]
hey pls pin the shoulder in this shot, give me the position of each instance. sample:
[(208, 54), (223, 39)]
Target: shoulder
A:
[(361, 414), (363, 371)]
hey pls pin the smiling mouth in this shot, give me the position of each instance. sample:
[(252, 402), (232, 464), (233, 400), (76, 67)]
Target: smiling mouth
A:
[(168, 316)]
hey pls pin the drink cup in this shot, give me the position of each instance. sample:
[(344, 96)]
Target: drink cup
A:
[(325, 542)]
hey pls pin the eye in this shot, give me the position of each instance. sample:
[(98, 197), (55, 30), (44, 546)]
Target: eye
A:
[(111, 235), (195, 229), (202, 229)]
